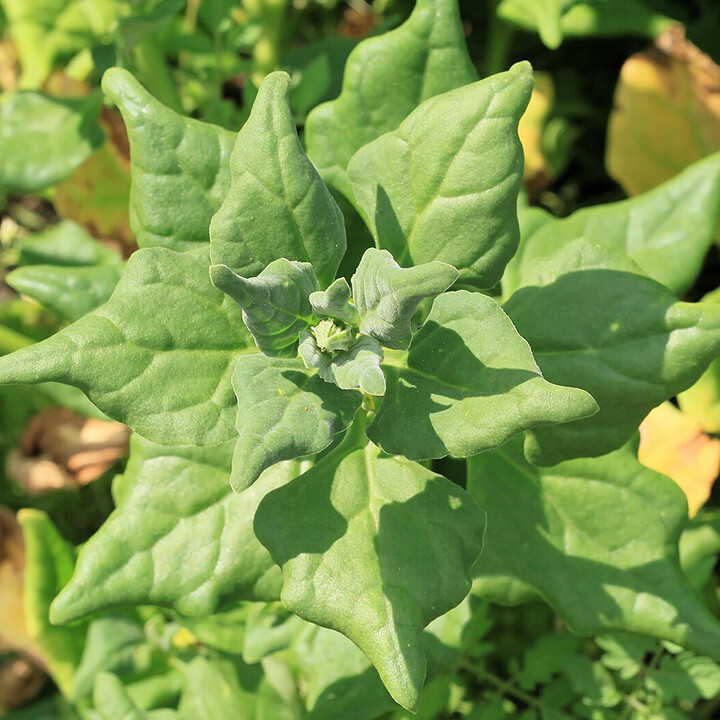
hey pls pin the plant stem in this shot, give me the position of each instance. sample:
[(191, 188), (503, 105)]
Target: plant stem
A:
[(268, 49), (508, 688), (153, 72)]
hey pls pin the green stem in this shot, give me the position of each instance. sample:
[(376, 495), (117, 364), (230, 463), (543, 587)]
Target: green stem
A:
[(498, 39), (268, 49), (153, 72), (507, 688)]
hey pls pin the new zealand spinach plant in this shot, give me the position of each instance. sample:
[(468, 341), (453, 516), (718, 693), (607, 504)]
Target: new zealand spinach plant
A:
[(246, 342)]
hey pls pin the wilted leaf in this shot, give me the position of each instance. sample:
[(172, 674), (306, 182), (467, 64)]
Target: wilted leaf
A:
[(678, 88), (674, 444)]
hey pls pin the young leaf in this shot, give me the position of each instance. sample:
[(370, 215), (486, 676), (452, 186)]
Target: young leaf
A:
[(469, 383), (219, 689), (167, 499), (277, 206), (275, 304), (375, 547), (180, 167), (49, 562), (43, 138), (357, 368), (652, 229), (70, 291), (168, 379), (335, 303), (594, 322), (543, 15), (283, 413), (387, 295), (113, 644), (112, 701), (386, 78), (429, 190), (596, 539)]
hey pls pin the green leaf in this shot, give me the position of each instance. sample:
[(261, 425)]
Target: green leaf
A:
[(686, 677), (375, 547), (335, 303), (701, 401), (113, 644), (167, 499), (43, 138), (70, 291), (48, 30), (180, 167), (49, 562), (358, 367), (444, 185), (544, 15), (269, 629), (653, 229), (596, 539), (277, 205), (112, 702), (387, 295), (275, 304), (594, 322), (385, 79), (65, 244), (699, 548), (169, 377), (468, 384), (222, 689), (283, 413)]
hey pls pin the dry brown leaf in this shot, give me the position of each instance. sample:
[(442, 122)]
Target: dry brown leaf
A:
[(666, 115), (61, 449), (675, 445), (20, 682)]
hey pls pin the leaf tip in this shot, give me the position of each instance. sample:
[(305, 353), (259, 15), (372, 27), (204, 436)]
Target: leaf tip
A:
[(125, 91)]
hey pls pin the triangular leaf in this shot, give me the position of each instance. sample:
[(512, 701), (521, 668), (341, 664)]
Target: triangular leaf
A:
[(593, 321), (277, 205), (276, 305), (386, 78), (596, 539), (335, 303), (375, 547), (666, 231), (357, 368), (180, 167), (283, 413), (387, 295), (169, 379), (444, 185), (167, 499), (469, 383)]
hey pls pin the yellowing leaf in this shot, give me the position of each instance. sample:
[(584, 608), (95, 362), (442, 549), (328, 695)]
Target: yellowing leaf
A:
[(532, 124), (667, 113), (675, 445), (97, 194), (13, 632)]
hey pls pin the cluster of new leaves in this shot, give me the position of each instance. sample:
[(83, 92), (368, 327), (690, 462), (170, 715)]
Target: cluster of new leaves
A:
[(233, 350)]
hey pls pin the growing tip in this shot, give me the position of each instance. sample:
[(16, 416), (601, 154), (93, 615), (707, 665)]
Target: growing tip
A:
[(232, 284), (125, 91)]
